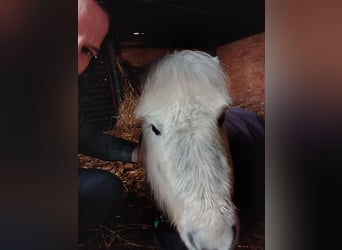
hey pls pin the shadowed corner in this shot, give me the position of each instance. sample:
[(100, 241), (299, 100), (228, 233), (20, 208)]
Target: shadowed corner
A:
[(167, 237)]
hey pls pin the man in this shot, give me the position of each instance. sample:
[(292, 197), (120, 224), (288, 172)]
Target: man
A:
[(99, 192)]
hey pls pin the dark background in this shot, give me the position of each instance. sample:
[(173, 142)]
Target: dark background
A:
[(186, 24)]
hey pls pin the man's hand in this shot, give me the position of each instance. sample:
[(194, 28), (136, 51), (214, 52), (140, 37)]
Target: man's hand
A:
[(138, 154)]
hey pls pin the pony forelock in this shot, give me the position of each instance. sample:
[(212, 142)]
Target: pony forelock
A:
[(183, 77)]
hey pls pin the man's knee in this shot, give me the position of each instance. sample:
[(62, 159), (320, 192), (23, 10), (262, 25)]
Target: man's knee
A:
[(99, 194)]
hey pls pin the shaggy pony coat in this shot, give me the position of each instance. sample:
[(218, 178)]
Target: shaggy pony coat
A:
[(184, 97)]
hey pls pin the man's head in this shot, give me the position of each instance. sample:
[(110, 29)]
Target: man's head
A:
[(93, 25)]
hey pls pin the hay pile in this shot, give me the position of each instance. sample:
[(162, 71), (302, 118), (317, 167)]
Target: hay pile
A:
[(125, 120)]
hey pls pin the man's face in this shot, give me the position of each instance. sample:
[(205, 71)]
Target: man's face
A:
[(93, 25)]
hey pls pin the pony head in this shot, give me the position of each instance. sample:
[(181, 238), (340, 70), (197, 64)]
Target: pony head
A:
[(182, 107)]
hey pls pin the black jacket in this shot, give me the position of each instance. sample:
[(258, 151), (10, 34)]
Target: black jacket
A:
[(95, 143)]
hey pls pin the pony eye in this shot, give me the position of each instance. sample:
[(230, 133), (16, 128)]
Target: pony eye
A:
[(156, 131)]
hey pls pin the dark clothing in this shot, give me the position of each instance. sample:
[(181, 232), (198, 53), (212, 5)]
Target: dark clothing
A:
[(244, 128), (246, 136), (93, 142), (99, 193)]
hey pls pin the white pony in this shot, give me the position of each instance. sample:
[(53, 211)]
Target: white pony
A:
[(182, 104)]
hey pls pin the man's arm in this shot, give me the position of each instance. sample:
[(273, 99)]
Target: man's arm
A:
[(93, 142)]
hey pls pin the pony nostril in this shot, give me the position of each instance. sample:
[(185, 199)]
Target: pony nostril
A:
[(235, 229), (191, 240)]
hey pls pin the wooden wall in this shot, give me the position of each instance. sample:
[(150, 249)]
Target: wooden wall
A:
[(244, 60)]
